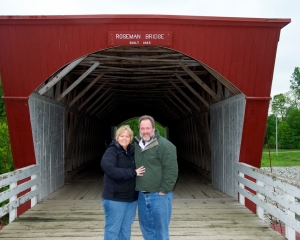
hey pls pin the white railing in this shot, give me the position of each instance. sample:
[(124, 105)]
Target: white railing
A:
[(11, 179), (275, 196)]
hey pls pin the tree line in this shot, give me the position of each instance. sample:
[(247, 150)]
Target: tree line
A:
[(285, 113), (6, 161)]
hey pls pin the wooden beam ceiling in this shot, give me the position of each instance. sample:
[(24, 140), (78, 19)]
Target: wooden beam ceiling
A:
[(128, 79)]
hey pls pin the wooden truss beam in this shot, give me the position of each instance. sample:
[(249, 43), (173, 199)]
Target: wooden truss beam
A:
[(200, 82), (86, 89), (60, 75), (98, 99), (177, 107), (79, 80), (90, 97), (192, 90), (221, 79), (186, 96), (179, 100)]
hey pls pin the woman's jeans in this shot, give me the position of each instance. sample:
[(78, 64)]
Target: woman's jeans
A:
[(119, 217), (154, 213)]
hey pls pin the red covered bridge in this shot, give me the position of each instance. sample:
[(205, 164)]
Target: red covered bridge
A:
[(68, 81)]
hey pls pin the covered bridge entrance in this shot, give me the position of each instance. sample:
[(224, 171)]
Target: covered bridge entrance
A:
[(69, 80)]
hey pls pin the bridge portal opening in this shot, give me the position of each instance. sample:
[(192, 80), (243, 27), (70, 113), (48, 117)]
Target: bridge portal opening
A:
[(77, 108)]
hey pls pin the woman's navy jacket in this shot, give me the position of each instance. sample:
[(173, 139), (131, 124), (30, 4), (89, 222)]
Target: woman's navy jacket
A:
[(119, 173)]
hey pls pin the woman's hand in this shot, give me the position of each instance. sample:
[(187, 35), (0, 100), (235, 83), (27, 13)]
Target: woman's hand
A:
[(140, 171), (161, 193)]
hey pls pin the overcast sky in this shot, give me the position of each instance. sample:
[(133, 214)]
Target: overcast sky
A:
[(288, 52)]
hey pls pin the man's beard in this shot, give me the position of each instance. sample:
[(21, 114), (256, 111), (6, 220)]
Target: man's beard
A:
[(147, 139)]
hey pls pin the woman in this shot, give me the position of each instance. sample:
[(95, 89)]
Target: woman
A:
[(119, 197)]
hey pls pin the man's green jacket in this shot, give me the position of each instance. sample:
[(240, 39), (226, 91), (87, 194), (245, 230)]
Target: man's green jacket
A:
[(160, 160)]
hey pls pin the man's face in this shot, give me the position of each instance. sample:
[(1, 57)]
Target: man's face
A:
[(146, 130)]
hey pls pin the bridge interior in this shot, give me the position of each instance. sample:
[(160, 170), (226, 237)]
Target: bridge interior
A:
[(75, 109)]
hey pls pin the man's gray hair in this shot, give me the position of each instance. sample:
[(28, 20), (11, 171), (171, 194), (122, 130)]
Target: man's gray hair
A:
[(145, 117)]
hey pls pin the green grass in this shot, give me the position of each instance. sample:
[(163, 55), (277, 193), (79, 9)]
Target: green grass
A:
[(285, 158)]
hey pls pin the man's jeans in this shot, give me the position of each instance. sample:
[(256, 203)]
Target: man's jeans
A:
[(154, 213), (119, 217)]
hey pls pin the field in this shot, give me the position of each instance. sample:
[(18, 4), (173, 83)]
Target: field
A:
[(285, 158)]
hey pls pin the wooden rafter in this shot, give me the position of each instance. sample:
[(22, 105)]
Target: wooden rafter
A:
[(92, 95), (186, 97), (134, 75), (200, 82), (60, 75), (179, 100), (169, 110), (102, 103), (97, 100), (221, 79), (192, 90), (79, 80), (175, 105), (86, 89)]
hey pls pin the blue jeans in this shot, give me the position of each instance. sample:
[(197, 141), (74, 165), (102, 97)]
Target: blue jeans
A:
[(154, 213), (119, 217)]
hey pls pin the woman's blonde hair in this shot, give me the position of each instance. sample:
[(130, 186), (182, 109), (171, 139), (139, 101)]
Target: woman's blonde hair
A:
[(122, 129)]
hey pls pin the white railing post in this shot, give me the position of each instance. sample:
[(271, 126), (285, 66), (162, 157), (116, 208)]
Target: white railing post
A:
[(241, 197), (10, 195), (259, 210), (34, 199), (275, 195), (12, 213), (290, 233)]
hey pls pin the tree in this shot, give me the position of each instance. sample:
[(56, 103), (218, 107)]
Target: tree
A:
[(134, 122), (2, 108), (6, 162), (285, 136), (271, 127), (295, 83), (279, 105), (272, 142), (293, 120)]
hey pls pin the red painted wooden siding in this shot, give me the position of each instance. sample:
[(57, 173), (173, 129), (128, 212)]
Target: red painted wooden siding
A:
[(32, 48)]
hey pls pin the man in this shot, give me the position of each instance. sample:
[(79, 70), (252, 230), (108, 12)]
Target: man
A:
[(158, 156)]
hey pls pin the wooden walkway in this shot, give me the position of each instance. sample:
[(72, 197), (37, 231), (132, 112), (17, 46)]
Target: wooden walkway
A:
[(199, 212)]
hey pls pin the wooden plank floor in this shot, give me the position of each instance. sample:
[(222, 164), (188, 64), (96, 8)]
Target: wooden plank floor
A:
[(199, 212)]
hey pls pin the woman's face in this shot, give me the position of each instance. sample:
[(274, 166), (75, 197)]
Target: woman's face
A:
[(124, 139)]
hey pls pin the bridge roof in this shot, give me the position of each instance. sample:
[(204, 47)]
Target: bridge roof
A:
[(203, 61), (240, 49)]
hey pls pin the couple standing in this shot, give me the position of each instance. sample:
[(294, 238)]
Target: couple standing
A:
[(144, 174)]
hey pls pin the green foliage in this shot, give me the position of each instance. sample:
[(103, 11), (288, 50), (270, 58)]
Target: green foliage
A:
[(134, 125), (272, 142), (279, 105), (271, 126), (285, 140), (6, 161), (2, 108), (295, 82), (160, 129), (286, 106), (293, 120)]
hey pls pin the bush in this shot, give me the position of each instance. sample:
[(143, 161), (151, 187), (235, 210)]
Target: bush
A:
[(6, 161)]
